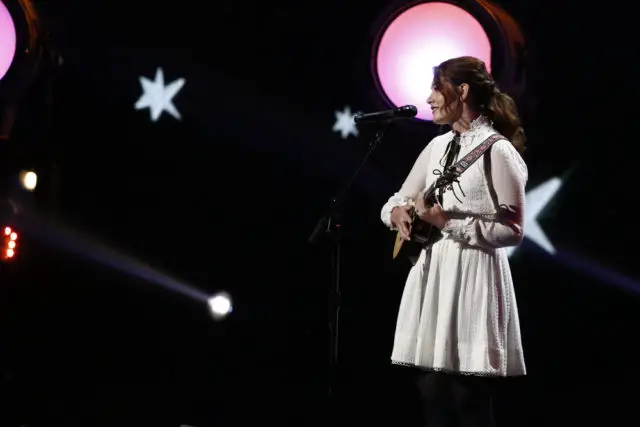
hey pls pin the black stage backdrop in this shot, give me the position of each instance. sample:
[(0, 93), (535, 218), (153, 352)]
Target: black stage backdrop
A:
[(226, 197)]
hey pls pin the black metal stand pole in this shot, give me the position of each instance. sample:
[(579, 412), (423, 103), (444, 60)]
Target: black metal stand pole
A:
[(330, 225)]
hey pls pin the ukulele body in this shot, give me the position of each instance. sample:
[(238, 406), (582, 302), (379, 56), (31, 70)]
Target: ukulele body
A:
[(422, 235)]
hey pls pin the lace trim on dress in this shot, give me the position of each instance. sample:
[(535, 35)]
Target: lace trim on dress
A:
[(451, 371), (468, 137), (456, 213)]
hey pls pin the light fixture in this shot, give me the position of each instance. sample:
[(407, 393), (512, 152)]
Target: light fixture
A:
[(220, 305), (9, 245), (28, 180), (18, 72), (8, 37), (410, 39)]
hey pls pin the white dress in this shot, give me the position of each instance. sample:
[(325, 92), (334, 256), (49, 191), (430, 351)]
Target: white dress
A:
[(458, 311)]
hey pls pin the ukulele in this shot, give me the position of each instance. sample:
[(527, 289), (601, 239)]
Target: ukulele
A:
[(422, 233)]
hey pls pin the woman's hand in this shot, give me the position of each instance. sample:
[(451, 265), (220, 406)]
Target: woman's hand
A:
[(434, 215), (401, 220)]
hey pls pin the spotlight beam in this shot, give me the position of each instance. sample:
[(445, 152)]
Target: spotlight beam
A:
[(63, 237)]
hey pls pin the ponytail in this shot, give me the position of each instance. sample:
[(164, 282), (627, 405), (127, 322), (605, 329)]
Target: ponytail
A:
[(504, 114)]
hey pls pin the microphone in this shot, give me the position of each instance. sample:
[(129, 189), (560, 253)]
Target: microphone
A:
[(405, 112)]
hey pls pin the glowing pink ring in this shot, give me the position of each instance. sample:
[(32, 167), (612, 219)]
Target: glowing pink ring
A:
[(420, 38), (7, 40)]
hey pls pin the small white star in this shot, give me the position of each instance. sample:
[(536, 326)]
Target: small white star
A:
[(345, 123), (157, 97), (537, 200)]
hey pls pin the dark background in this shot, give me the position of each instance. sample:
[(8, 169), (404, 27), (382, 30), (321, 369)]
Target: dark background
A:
[(225, 200)]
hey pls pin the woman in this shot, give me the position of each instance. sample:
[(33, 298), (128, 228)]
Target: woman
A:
[(458, 320)]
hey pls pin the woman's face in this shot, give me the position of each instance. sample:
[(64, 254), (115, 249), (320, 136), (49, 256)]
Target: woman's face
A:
[(443, 113)]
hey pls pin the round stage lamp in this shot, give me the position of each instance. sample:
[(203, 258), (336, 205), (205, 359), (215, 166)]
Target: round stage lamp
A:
[(220, 305), (23, 50), (29, 180), (419, 38), (8, 40)]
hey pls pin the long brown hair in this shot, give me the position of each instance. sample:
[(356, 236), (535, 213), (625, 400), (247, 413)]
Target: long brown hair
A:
[(484, 96)]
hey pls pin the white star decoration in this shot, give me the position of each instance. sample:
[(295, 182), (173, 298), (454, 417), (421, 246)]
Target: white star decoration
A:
[(157, 97), (345, 123), (537, 200)]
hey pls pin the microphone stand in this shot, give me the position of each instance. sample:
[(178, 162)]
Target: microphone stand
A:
[(330, 225)]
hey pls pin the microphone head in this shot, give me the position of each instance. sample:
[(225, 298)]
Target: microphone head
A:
[(404, 112), (407, 111)]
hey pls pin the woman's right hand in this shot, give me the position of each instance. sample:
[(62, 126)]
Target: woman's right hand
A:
[(401, 220)]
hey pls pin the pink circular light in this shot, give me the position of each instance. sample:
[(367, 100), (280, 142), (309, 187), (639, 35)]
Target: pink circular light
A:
[(7, 40), (419, 39)]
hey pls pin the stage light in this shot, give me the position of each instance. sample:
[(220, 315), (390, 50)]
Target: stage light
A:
[(8, 37), (420, 38), (29, 180), (415, 38), (220, 305), (23, 51), (9, 244)]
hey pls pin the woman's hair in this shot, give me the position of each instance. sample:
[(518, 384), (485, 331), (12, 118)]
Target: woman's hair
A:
[(484, 97)]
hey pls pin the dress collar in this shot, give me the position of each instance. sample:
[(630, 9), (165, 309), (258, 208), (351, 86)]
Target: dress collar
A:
[(476, 127)]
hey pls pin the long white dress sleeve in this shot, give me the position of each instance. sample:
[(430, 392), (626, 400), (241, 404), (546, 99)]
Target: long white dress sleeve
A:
[(508, 176), (413, 184)]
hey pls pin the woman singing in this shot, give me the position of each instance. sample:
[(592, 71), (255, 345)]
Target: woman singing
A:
[(458, 320)]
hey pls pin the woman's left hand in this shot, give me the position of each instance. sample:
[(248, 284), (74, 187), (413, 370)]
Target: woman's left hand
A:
[(433, 215)]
